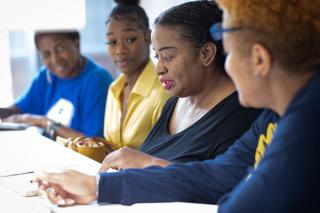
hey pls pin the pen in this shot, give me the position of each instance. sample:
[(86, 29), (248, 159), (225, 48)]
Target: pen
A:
[(17, 173)]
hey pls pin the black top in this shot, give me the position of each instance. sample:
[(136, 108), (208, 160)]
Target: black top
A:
[(210, 136)]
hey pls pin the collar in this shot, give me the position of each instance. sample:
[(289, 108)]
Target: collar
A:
[(143, 85)]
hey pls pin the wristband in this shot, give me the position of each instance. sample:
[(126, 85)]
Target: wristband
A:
[(52, 128)]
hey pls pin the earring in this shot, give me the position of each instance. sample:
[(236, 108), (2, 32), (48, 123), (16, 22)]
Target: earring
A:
[(257, 75)]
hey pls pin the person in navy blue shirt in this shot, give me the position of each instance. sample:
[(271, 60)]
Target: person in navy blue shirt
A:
[(273, 58), (277, 67), (67, 98)]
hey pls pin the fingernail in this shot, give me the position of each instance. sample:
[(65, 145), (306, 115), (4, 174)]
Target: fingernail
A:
[(70, 202), (61, 202), (50, 190)]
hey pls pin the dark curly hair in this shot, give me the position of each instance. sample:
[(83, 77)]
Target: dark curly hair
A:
[(130, 10), (192, 20)]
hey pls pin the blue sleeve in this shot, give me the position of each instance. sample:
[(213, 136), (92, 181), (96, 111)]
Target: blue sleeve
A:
[(200, 182), (93, 107), (31, 101), (287, 179)]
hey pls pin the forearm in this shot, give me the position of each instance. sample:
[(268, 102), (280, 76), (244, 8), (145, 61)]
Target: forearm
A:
[(66, 132), (199, 182), (175, 183), (54, 129), (6, 112)]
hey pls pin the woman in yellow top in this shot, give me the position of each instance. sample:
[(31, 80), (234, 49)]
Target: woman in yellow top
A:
[(135, 100)]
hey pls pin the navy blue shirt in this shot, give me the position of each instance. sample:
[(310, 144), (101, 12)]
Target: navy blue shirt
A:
[(207, 138), (288, 177), (200, 182)]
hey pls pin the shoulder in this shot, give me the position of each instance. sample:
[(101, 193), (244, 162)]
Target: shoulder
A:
[(42, 73), (304, 111), (232, 105), (95, 73), (261, 124), (42, 76), (300, 122)]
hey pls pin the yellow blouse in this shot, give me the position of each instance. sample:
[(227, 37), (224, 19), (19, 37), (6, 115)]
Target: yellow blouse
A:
[(144, 108)]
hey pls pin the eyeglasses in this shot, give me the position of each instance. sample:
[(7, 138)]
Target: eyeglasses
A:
[(216, 31)]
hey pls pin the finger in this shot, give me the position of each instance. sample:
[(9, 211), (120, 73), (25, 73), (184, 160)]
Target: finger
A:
[(66, 202), (52, 196), (103, 168), (42, 191), (60, 191), (55, 178), (42, 187), (106, 164), (40, 177), (56, 196)]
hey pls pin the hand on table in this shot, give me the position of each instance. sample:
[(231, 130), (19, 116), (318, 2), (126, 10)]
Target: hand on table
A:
[(126, 157), (67, 188), (34, 120)]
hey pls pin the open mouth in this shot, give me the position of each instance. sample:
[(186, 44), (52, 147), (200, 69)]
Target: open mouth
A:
[(59, 69), (166, 84)]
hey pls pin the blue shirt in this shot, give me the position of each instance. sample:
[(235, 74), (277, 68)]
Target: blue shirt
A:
[(199, 182), (80, 101), (288, 177)]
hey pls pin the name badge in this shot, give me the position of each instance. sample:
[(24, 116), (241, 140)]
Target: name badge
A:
[(62, 112)]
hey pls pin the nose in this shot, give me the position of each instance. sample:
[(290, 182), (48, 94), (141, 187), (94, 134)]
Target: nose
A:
[(160, 69), (121, 48), (54, 58)]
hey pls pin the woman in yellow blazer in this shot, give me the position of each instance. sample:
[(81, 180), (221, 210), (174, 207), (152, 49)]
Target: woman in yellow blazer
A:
[(135, 100)]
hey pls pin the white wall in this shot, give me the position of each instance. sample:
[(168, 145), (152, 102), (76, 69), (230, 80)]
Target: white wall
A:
[(6, 96), (153, 8)]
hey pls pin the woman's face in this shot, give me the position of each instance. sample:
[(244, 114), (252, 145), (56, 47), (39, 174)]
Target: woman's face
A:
[(128, 45), (60, 55), (179, 67), (238, 66)]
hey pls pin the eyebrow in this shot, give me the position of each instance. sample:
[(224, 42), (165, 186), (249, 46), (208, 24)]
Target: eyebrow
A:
[(125, 30), (60, 42), (166, 48)]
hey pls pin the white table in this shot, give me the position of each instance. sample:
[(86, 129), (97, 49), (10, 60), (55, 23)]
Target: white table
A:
[(24, 150)]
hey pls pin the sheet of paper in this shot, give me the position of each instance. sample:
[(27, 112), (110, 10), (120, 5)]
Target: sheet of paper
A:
[(21, 184), (22, 152)]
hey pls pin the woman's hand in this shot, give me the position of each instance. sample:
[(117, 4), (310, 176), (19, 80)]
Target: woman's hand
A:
[(34, 120), (126, 157), (67, 188)]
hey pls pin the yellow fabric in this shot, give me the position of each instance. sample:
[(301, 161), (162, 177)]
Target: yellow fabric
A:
[(264, 142), (145, 104)]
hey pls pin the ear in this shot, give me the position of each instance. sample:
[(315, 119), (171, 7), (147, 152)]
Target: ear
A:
[(207, 53), (148, 36), (261, 60), (77, 43)]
